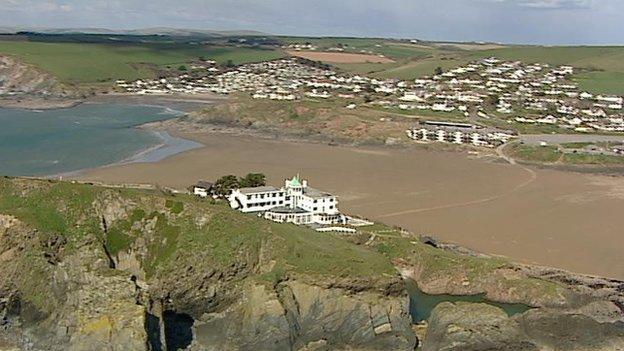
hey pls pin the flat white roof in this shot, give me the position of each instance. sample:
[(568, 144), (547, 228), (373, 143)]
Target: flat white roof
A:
[(259, 189)]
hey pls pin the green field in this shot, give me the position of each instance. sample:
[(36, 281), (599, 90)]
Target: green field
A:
[(531, 153), (600, 69), (420, 68), (552, 154), (392, 49), (91, 63)]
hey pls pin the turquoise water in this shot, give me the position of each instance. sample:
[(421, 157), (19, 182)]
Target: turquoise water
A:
[(422, 304), (35, 143)]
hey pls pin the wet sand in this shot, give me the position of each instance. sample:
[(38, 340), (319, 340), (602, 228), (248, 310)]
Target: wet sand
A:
[(547, 217)]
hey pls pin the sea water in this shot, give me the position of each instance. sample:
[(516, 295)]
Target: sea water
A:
[(422, 304), (48, 142)]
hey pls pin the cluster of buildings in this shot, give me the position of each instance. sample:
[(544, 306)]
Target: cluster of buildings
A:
[(459, 133), (485, 89), (276, 80), (300, 47), (516, 92)]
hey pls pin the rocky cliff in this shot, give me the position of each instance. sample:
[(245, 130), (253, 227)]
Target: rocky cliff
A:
[(96, 268), (565, 311), (89, 268), (23, 85)]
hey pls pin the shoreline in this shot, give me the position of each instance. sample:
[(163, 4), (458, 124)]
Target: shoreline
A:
[(188, 102), (34, 104), (183, 104), (171, 106), (171, 145)]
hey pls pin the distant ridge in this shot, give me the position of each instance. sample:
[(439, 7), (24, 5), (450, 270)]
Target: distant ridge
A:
[(145, 31)]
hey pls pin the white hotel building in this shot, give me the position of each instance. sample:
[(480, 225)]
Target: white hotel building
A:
[(296, 202), (458, 133)]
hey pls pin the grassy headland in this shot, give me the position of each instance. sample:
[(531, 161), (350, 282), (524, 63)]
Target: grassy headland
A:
[(325, 120), (86, 63), (173, 231)]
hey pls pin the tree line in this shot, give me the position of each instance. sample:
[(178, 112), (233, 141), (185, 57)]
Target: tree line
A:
[(224, 185)]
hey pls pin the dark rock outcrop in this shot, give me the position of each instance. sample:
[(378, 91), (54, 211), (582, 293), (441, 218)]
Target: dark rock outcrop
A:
[(298, 316), (54, 301), (470, 326)]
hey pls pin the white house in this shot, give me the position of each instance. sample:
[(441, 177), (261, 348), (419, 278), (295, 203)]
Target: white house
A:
[(547, 120), (202, 188)]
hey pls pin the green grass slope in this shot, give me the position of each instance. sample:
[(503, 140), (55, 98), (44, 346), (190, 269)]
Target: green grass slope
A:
[(92, 63)]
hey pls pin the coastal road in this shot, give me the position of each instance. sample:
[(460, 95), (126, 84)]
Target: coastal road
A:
[(535, 139)]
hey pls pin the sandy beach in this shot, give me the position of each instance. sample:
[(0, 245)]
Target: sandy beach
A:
[(547, 217)]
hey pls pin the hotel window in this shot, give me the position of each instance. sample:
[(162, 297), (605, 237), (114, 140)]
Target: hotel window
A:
[(316, 208)]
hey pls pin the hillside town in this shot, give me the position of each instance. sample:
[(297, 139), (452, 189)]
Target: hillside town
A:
[(486, 90)]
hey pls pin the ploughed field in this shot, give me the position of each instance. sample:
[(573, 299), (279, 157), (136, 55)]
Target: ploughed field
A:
[(560, 219), (340, 57)]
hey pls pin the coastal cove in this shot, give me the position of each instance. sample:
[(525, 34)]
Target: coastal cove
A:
[(59, 141)]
